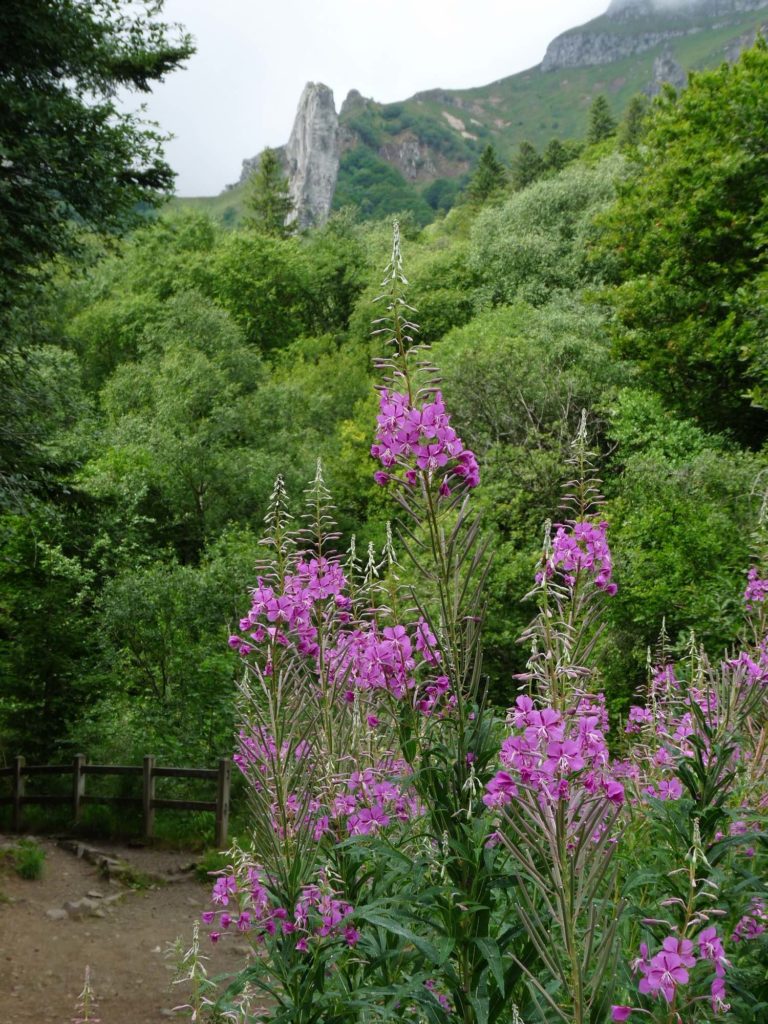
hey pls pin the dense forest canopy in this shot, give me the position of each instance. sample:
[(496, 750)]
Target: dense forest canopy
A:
[(165, 381)]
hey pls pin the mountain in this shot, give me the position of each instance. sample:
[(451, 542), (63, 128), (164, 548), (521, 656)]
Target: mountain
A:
[(416, 155)]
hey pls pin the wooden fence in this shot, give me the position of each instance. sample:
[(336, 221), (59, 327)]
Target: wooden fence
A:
[(79, 769)]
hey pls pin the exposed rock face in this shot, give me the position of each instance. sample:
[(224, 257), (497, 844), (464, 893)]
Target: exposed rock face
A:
[(666, 69), (410, 156), (709, 8), (596, 44), (587, 49), (354, 101), (312, 155)]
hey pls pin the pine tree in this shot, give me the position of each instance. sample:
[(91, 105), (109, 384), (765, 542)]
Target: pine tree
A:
[(489, 179), (633, 126), (556, 156), (602, 124), (527, 166), (268, 202)]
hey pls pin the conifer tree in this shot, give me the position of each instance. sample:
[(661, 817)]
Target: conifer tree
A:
[(556, 156), (527, 166), (268, 203), (602, 124), (489, 179), (633, 126)]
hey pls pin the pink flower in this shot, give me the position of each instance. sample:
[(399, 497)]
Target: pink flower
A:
[(757, 588), (711, 948), (545, 726), (620, 1013), (224, 887), (682, 947), (614, 791), (717, 994), (582, 546), (664, 973), (500, 790), (670, 789), (563, 757)]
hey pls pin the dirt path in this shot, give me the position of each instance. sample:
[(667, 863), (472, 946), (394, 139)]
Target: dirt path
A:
[(43, 960)]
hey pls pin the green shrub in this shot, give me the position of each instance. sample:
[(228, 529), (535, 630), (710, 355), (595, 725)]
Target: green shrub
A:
[(28, 859), (210, 862)]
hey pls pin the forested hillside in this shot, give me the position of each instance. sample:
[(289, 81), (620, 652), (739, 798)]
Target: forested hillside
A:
[(164, 382)]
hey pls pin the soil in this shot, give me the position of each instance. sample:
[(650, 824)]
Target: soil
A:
[(43, 961)]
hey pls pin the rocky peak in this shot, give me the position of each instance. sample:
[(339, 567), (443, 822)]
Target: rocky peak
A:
[(354, 101), (312, 155), (611, 37)]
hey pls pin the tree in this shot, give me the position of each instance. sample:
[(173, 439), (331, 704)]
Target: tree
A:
[(538, 240), (268, 202), (602, 124), (527, 166), (682, 507), (68, 158), (556, 156), (489, 179), (633, 126), (687, 240)]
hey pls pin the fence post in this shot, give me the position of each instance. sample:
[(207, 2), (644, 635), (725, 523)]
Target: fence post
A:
[(148, 796), (222, 801), (78, 785), (18, 791)]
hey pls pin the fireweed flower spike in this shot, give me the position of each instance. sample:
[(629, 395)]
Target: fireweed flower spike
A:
[(558, 798), (343, 694), (414, 436), (757, 588), (422, 437)]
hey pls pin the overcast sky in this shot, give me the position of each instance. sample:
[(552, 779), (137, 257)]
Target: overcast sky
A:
[(239, 92)]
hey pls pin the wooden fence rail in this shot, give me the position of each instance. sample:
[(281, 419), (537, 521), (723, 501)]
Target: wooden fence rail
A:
[(19, 771)]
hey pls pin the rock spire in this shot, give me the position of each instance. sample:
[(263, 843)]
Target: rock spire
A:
[(312, 154)]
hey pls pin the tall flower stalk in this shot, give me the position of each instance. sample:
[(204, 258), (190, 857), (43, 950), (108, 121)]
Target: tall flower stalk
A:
[(558, 797), (431, 473)]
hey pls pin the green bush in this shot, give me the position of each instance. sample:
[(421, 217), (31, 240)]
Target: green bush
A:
[(28, 859), (537, 241)]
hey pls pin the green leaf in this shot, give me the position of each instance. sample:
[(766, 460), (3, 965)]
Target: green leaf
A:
[(392, 925), (490, 950), (481, 1007)]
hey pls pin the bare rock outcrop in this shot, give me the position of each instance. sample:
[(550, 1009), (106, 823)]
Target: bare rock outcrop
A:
[(709, 8), (601, 42), (666, 70), (312, 155)]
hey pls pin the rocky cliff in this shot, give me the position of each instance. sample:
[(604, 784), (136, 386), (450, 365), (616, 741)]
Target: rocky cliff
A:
[(632, 27), (310, 158), (312, 155), (706, 8)]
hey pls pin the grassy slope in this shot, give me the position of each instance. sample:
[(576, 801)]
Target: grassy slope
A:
[(539, 105), (534, 105), (226, 207)]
